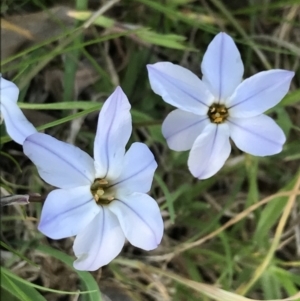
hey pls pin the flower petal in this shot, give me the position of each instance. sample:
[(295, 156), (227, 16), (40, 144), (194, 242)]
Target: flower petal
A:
[(99, 243), (113, 132), (259, 93), (60, 164), (179, 87), (259, 136), (138, 170), (17, 126), (210, 151), (8, 90), (67, 211), (222, 67), (140, 219), (181, 129)]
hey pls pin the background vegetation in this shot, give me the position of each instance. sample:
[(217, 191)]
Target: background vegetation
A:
[(229, 238)]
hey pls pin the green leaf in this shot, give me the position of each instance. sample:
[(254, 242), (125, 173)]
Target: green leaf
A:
[(85, 15), (270, 285), (168, 195), (291, 98), (174, 14), (18, 289), (270, 214), (89, 107), (283, 120), (87, 279), (166, 40), (288, 280), (59, 121), (80, 105), (11, 275), (12, 159), (7, 247)]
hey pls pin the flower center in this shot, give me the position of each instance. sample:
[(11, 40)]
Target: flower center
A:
[(217, 113), (101, 192)]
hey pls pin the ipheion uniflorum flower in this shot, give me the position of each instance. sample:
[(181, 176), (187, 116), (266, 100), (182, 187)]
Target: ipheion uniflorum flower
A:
[(219, 107), (101, 201)]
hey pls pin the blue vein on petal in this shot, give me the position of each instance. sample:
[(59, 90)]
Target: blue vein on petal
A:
[(207, 161), (187, 127), (101, 236), (221, 67), (66, 211), (249, 97), (255, 134), (107, 139), (124, 203), (133, 175), (63, 159), (83, 254), (166, 78)]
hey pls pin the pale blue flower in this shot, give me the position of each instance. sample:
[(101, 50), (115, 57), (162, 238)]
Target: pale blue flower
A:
[(17, 126), (219, 106), (101, 200)]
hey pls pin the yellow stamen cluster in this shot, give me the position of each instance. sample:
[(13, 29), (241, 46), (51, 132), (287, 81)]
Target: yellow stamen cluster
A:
[(217, 113), (101, 192)]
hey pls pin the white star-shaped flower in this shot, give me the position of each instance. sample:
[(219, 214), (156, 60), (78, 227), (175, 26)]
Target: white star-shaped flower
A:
[(17, 126), (219, 106), (101, 200)]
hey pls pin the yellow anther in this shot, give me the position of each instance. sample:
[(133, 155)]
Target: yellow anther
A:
[(102, 193), (103, 182), (217, 113)]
